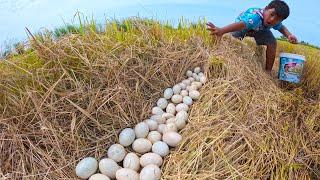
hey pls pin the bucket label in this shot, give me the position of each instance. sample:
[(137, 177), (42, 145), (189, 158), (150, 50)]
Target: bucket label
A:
[(290, 69)]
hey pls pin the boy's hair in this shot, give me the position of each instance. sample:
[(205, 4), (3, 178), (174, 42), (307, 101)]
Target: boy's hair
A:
[(281, 8)]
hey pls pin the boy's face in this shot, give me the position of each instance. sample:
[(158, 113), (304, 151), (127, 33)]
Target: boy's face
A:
[(270, 18)]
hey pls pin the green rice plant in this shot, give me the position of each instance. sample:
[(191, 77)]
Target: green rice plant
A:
[(67, 29)]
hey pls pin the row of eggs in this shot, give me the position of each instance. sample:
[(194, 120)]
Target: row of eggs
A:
[(150, 139)]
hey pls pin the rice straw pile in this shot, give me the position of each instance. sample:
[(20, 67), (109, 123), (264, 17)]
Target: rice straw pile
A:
[(86, 90), (245, 127), (70, 98)]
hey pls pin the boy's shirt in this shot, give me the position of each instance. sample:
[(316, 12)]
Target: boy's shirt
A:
[(253, 18)]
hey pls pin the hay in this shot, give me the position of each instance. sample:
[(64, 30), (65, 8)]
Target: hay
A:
[(70, 98), (88, 89), (245, 127)]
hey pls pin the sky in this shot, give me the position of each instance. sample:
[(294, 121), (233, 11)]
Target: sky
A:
[(37, 15)]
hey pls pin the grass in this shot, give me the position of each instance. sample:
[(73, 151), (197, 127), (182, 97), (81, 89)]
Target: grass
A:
[(70, 94)]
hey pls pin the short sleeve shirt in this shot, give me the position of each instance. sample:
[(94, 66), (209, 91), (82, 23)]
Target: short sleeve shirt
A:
[(253, 19)]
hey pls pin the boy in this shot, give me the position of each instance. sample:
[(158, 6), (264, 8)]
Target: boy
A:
[(256, 23)]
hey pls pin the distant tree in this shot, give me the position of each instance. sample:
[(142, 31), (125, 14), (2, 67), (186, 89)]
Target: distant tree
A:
[(283, 37), (308, 44)]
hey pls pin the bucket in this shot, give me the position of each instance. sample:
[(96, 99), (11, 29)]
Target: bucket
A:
[(291, 67)]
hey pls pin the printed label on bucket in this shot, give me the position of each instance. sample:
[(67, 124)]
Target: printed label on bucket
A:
[(291, 68)]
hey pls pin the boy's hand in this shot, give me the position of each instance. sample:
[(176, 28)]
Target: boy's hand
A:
[(292, 39), (214, 29)]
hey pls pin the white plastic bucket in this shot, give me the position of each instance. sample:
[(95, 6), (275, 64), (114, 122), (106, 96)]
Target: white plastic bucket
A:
[(291, 67)]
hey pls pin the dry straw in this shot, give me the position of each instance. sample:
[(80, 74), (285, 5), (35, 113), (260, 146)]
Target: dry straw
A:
[(87, 88), (69, 99), (245, 127)]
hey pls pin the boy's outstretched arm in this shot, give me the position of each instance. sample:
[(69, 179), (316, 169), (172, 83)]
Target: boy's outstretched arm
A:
[(229, 28), (292, 38)]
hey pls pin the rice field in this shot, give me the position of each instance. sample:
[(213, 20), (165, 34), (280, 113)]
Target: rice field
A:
[(75, 89)]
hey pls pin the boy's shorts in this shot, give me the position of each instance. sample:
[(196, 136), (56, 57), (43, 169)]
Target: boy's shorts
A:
[(263, 37)]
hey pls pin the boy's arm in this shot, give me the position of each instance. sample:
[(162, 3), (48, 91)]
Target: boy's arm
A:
[(229, 28), (292, 38)]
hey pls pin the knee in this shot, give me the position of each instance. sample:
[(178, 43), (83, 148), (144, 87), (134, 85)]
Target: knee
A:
[(272, 44)]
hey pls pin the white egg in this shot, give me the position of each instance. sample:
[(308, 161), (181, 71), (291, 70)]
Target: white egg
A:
[(194, 94), (200, 74), (108, 167), (168, 115), (203, 79), (187, 100), (153, 125), (197, 79), (197, 84), (176, 99), (99, 176), (154, 136), (171, 108), (157, 111), (116, 152), (86, 167), (170, 127), (150, 172), (194, 75), (182, 107), (162, 103), (197, 70), (182, 85), (172, 138), (189, 73), (192, 87), (151, 158), (158, 118), (182, 115), (131, 161), (180, 123), (160, 148), (176, 89), (142, 129), (187, 82), (126, 137), (141, 145), (171, 120), (191, 79), (168, 93), (127, 174), (184, 93), (161, 127)]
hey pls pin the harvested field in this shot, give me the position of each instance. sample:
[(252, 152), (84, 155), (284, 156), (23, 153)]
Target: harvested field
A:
[(69, 98)]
